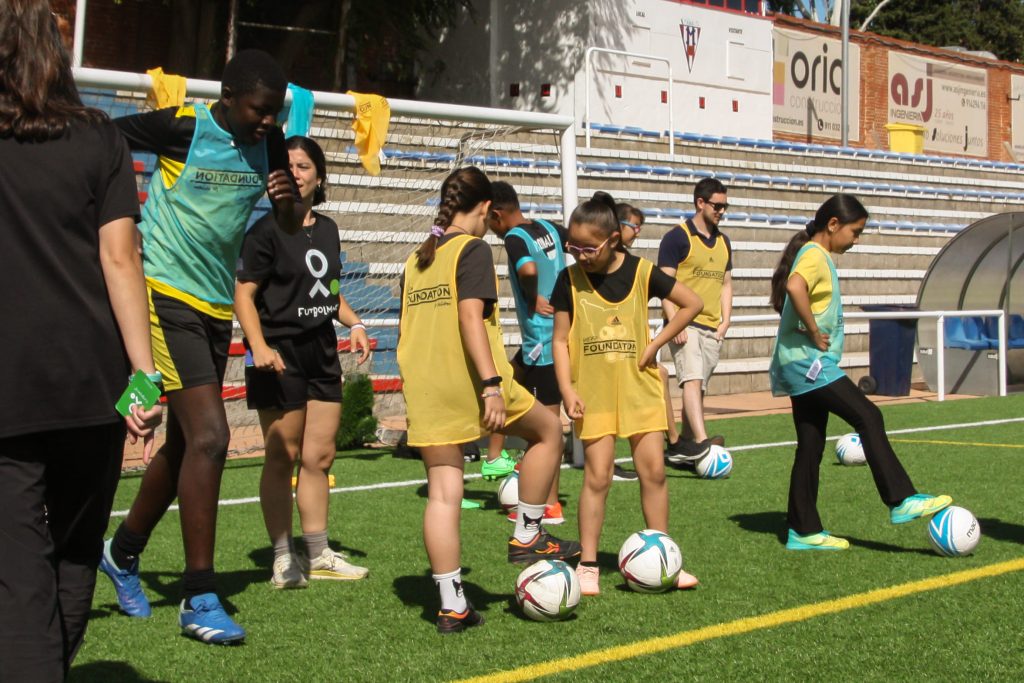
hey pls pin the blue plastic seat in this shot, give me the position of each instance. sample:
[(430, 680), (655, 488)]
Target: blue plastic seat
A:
[(1014, 331), (759, 217), (742, 177), (661, 170), (640, 168), (618, 167), (963, 333), (762, 179)]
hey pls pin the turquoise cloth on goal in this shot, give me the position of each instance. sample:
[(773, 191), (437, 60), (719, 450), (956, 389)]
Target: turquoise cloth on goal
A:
[(298, 117), (794, 356)]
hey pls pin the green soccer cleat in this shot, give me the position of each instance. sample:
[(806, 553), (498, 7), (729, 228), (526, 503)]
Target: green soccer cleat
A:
[(918, 505), (468, 504), (820, 541), (499, 468)]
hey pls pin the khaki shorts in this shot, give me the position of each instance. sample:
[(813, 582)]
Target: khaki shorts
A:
[(697, 358)]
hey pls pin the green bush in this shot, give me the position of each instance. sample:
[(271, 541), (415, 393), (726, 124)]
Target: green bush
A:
[(358, 425)]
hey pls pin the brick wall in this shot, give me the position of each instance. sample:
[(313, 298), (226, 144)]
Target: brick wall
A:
[(874, 76)]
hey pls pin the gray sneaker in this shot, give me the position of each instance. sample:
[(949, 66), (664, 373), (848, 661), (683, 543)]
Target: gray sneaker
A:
[(335, 566), (288, 572)]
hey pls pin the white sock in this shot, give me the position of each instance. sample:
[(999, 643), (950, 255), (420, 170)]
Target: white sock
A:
[(528, 521), (450, 586)]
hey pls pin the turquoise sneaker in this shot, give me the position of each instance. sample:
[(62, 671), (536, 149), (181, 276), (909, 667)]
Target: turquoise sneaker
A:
[(500, 468), (819, 541), (918, 505)]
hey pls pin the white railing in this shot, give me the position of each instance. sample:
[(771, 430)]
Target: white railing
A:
[(940, 334), (588, 77), (122, 80)]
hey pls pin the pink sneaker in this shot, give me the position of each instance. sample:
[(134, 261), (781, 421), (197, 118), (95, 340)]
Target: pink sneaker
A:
[(589, 580), (686, 580)]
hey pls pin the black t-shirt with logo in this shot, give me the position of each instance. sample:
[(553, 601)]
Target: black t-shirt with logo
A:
[(298, 275), (64, 364)]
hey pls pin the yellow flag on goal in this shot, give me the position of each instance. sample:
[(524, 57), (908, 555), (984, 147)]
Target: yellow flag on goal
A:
[(373, 116), (167, 91)]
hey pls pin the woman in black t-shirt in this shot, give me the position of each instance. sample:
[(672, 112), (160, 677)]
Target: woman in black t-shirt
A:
[(73, 325), (286, 297)]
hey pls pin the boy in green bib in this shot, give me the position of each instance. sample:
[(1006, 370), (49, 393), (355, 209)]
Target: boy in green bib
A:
[(805, 367)]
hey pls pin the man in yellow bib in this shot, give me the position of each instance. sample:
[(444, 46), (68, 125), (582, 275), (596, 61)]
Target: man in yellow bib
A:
[(697, 254)]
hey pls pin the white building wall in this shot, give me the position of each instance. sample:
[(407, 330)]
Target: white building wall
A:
[(538, 42)]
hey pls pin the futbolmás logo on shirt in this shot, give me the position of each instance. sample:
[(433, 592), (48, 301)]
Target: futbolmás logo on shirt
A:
[(317, 264), (439, 294)]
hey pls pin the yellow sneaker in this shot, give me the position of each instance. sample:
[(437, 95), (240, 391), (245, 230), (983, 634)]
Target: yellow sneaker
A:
[(819, 541), (918, 505)]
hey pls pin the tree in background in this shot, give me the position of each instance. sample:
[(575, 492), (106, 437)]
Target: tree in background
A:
[(365, 44), (995, 26)]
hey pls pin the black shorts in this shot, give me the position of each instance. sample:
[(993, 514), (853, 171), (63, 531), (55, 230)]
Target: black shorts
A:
[(190, 348), (312, 373), (539, 380)]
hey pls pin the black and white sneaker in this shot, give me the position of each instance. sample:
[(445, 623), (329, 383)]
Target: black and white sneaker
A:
[(686, 451), (620, 474)]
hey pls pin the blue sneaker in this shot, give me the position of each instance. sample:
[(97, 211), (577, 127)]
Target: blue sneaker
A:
[(204, 619), (130, 597), (918, 505)]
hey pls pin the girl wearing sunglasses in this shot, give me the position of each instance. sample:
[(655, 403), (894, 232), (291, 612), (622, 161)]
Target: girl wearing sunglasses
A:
[(605, 361)]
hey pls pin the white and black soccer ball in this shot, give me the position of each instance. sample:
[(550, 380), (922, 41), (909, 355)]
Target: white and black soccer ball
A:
[(650, 561), (954, 532), (508, 491), (850, 450), (548, 590), (717, 464)]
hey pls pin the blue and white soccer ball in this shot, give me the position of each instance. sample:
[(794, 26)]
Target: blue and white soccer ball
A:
[(650, 561), (508, 492), (850, 451), (954, 532), (715, 465), (548, 590)]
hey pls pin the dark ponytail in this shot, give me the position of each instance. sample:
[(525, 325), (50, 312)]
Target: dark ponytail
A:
[(461, 191), (599, 211), (845, 208)]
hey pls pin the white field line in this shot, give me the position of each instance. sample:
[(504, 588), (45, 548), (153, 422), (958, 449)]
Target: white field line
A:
[(470, 476)]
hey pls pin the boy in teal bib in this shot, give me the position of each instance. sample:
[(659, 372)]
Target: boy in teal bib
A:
[(214, 164)]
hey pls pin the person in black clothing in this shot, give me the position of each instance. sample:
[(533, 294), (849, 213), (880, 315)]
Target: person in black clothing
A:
[(74, 326), (286, 297)]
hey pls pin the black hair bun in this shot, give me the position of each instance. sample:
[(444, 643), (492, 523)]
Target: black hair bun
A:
[(604, 198)]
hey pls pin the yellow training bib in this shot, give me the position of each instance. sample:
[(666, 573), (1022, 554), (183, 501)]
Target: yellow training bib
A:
[(605, 341), (439, 381), (703, 271)]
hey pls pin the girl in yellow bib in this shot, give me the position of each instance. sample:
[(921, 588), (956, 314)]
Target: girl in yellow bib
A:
[(458, 385), (805, 367), (606, 363)]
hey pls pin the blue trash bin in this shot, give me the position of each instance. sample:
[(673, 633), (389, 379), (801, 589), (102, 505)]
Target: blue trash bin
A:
[(890, 352)]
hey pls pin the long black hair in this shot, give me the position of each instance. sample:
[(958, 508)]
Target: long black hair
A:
[(461, 191), (843, 207)]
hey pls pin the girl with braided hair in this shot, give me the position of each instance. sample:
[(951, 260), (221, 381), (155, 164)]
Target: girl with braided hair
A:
[(805, 367), (449, 329)]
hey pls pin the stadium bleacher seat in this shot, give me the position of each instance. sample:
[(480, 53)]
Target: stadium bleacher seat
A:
[(964, 333)]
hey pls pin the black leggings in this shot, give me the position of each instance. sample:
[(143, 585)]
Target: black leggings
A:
[(810, 416)]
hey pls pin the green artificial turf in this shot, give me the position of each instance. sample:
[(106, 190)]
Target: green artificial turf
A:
[(731, 532)]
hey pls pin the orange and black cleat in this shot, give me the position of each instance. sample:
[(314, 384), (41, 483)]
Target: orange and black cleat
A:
[(457, 622), (544, 546)]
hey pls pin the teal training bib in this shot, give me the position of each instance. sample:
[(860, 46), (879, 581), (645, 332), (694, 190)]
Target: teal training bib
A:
[(192, 231), (537, 329), (798, 366)]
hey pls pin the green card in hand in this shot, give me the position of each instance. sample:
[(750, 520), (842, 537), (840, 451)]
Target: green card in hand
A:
[(140, 392)]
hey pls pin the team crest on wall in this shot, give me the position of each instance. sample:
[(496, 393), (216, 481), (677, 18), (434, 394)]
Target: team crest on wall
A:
[(691, 34)]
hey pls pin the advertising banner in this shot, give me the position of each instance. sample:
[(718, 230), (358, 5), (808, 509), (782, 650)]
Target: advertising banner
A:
[(948, 100), (807, 86)]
